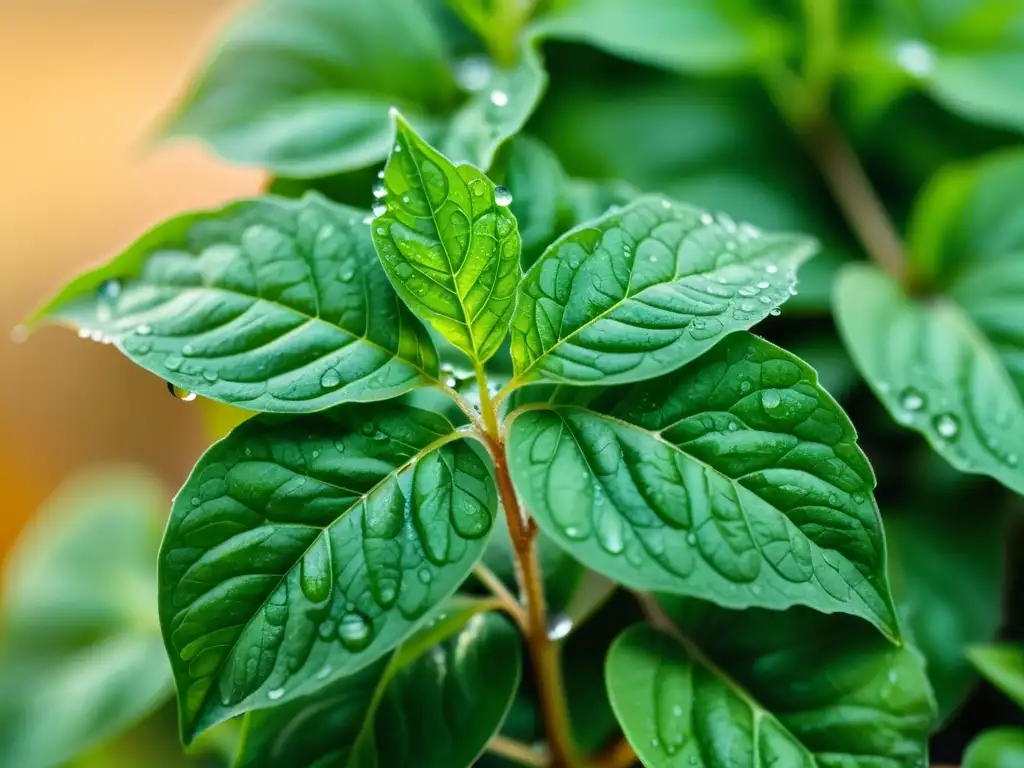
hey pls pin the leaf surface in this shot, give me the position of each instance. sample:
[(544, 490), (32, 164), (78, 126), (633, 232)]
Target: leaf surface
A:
[(303, 549), (735, 479), (1003, 666), (450, 247), (643, 290), (267, 304), (436, 702), (995, 748)]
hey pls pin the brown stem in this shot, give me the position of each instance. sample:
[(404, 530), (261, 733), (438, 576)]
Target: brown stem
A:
[(508, 602), (517, 752), (856, 197)]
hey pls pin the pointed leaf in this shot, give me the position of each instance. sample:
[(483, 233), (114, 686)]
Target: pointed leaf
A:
[(758, 689), (450, 249), (267, 304), (1003, 666), (736, 479), (437, 702), (302, 549), (935, 373), (80, 651), (641, 291), (302, 87)]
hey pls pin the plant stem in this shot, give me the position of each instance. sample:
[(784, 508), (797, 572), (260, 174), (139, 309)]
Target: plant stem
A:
[(620, 755), (487, 406), (517, 752), (497, 588)]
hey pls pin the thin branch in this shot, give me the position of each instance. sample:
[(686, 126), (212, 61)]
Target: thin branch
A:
[(517, 752), (463, 405), (498, 589)]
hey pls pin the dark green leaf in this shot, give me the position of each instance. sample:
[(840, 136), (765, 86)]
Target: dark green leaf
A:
[(304, 548), (692, 36), (757, 688), (1003, 666), (437, 702), (996, 748), (735, 479), (947, 573), (449, 244), (268, 304), (935, 372), (303, 87), (80, 651), (539, 186), (642, 291)]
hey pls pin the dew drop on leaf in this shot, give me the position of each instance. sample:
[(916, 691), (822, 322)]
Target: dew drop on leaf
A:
[(347, 274), (559, 626), (275, 694), (330, 379), (379, 190), (764, 284), (775, 312), (771, 269), (706, 218), (182, 394), (354, 631), (575, 533), (771, 399), (499, 98), (911, 399), (380, 207), (325, 670), (425, 576), (109, 289), (691, 538), (144, 329), (326, 630), (502, 195), (947, 425), (173, 362)]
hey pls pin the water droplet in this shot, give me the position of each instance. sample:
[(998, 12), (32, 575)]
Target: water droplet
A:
[(109, 289), (181, 394), (397, 147), (733, 426), (911, 399), (701, 328), (771, 269), (833, 499), (84, 333), (764, 284), (473, 73), (575, 533), (765, 300), (859, 497), (380, 207), (655, 742), (499, 98), (775, 312), (380, 174), (98, 336), (326, 630), (653, 258), (502, 195), (915, 58), (19, 334), (947, 425), (746, 290), (347, 274), (367, 218), (1011, 459), (173, 362), (666, 204), (691, 538), (144, 329), (560, 626), (771, 399), (275, 694), (744, 387), (330, 379), (211, 376), (707, 218), (325, 670), (746, 306), (354, 631), (379, 189), (426, 576), (188, 350)]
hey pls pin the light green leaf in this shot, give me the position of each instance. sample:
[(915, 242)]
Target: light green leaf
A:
[(935, 373), (302, 549), (437, 702), (267, 304), (947, 574), (1003, 666), (694, 36), (754, 689), (449, 244), (996, 748), (643, 290), (735, 479), (80, 651), (302, 87), (495, 112)]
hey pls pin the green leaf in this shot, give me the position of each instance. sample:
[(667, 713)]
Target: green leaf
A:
[(947, 573), (449, 244), (437, 702), (302, 549), (703, 36), (540, 204), (935, 373), (643, 290), (996, 748), (758, 688), (1003, 666), (303, 87), (80, 651), (735, 479), (494, 113), (267, 304)]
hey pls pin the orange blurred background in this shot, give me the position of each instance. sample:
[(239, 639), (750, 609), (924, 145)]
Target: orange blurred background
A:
[(83, 83)]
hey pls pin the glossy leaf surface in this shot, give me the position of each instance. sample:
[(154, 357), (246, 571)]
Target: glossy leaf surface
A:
[(302, 549), (436, 702), (935, 373), (80, 651), (643, 290), (449, 244), (736, 479), (303, 87), (996, 748), (267, 304), (1003, 666)]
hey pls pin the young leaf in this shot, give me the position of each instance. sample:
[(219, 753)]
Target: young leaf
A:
[(267, 304), (302, 549), (1003, 666), (641, 291), (80, 651), (735, 479), (947, 573), (693, 36), (758, 688), (302, 87), (935, 372), (995, 748), (437, 702), (449, 244)]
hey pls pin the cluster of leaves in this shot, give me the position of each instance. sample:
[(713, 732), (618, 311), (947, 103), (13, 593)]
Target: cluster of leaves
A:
[(570, 352)]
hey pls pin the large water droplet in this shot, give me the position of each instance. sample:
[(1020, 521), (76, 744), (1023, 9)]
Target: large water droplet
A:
[(911, 399), (173, 362), (109, 289), (771, 269), (502, 195), (947, 425), (771, 399), (181, 394), (379, 189), (275, 694), (775, 312), (380, 207), (347, 274), (426, 576), (499, 98), (315, 572), (705, 328), (354, 631), (330, 379), (574, 533), (144, 329), (560, 626)]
